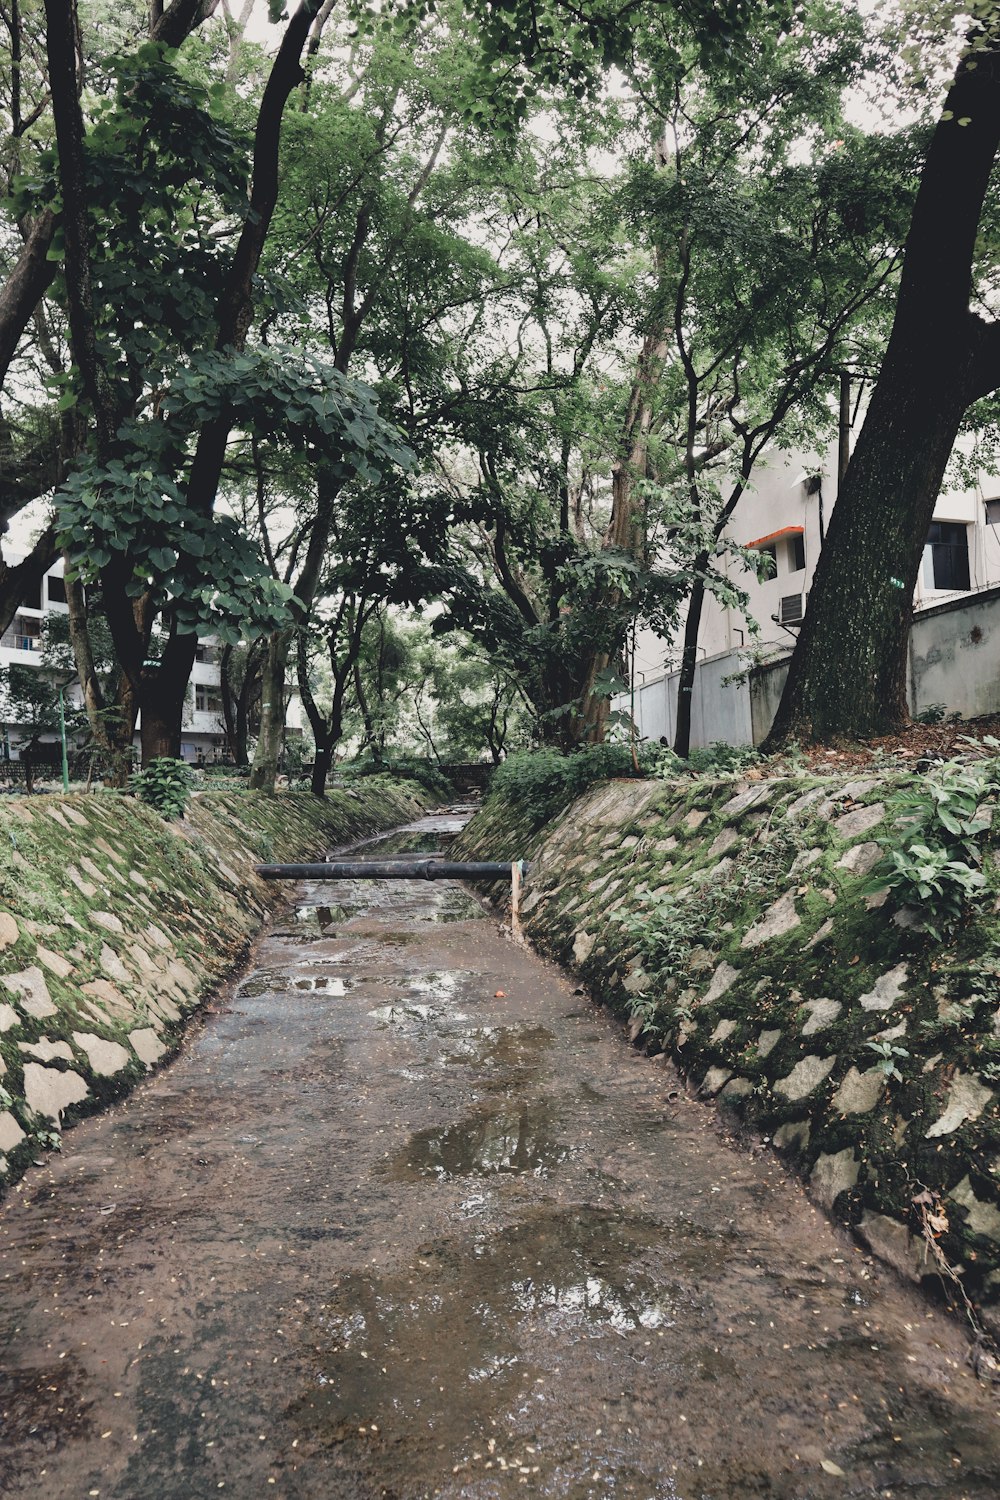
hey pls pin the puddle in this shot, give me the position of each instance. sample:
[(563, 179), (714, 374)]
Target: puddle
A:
[(439, 987), (593, 1299), (518, 1139), (329, 984), (439, 1346), (509, 1047), (323, 916), (399, 1013), (578, 1267)]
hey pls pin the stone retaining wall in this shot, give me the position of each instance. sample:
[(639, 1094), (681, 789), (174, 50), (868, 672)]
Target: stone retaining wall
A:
[(114, 925), (801, 997)]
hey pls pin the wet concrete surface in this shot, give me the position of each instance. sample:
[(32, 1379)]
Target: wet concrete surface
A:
[(382, 1231)]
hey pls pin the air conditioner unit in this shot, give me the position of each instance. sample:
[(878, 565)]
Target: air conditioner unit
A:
[(790, 610)]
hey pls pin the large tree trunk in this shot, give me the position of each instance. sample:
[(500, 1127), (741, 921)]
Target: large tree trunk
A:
[(160, 732), (162, 691), (848, 672), (272, 713), (322, 762)]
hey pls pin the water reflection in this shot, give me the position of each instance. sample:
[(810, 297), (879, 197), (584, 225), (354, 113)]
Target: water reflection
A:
[(634, 1303), (515, 1139), (502, 1046)]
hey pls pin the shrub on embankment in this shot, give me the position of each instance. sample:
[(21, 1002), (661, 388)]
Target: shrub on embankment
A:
[(115, 924), (756, 929)]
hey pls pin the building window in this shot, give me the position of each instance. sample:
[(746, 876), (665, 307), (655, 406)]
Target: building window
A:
[(992, 511), (788, 544), (24, 634), (204, 653), (946, 557), (57, 589), (206, 700)]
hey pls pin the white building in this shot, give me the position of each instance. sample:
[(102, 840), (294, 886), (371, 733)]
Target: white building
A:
[(203, 727), (785, 515)]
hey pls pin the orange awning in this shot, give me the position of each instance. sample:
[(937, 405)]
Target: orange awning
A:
[(773, 536)]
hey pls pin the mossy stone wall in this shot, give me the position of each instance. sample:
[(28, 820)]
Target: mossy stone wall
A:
[(115, 924), (805, 990)]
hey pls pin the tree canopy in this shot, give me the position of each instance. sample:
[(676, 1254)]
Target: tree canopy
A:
[(496, 305)]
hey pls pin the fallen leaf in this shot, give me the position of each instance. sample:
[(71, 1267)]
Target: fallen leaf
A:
[(829, 1467)]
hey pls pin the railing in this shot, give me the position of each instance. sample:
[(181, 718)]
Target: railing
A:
[(16, 642)]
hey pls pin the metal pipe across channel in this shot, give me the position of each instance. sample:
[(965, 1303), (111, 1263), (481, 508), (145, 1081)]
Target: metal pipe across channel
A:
[(391, 869)]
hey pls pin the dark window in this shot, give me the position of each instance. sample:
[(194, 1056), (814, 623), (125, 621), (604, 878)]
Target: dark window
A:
[(57, 590), (796, 553), (771, 551), (993, 512), (948, 549), (207, 699)]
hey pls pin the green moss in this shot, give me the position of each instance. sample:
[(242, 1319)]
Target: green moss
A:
[(182, 892), (948, 1002)]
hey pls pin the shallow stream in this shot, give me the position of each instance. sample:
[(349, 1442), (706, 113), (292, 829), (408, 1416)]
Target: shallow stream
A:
[(408, 1218)]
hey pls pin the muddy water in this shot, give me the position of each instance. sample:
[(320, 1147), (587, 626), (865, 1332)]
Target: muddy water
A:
[(383, 1231)]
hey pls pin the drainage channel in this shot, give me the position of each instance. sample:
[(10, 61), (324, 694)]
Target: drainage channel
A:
[(407, 1218)]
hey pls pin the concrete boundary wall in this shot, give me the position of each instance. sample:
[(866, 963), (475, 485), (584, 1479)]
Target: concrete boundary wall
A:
[(954, 664)]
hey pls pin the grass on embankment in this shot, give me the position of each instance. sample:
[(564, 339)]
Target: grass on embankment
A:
[(743, 925), (115, 925)]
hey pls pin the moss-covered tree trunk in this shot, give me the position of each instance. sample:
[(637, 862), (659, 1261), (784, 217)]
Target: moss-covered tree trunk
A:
[(272, 713), (848, 672)]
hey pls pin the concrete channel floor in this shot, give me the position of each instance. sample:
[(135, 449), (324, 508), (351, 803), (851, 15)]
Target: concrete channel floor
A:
[(407, 1217)]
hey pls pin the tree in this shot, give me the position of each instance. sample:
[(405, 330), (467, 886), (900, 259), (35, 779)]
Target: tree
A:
[(847, 675), (776, 230), (239, 681), (382, 170), (29, 699), (139, 510), (36, 698), (671, 325), (552, 574), (476, 707)]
